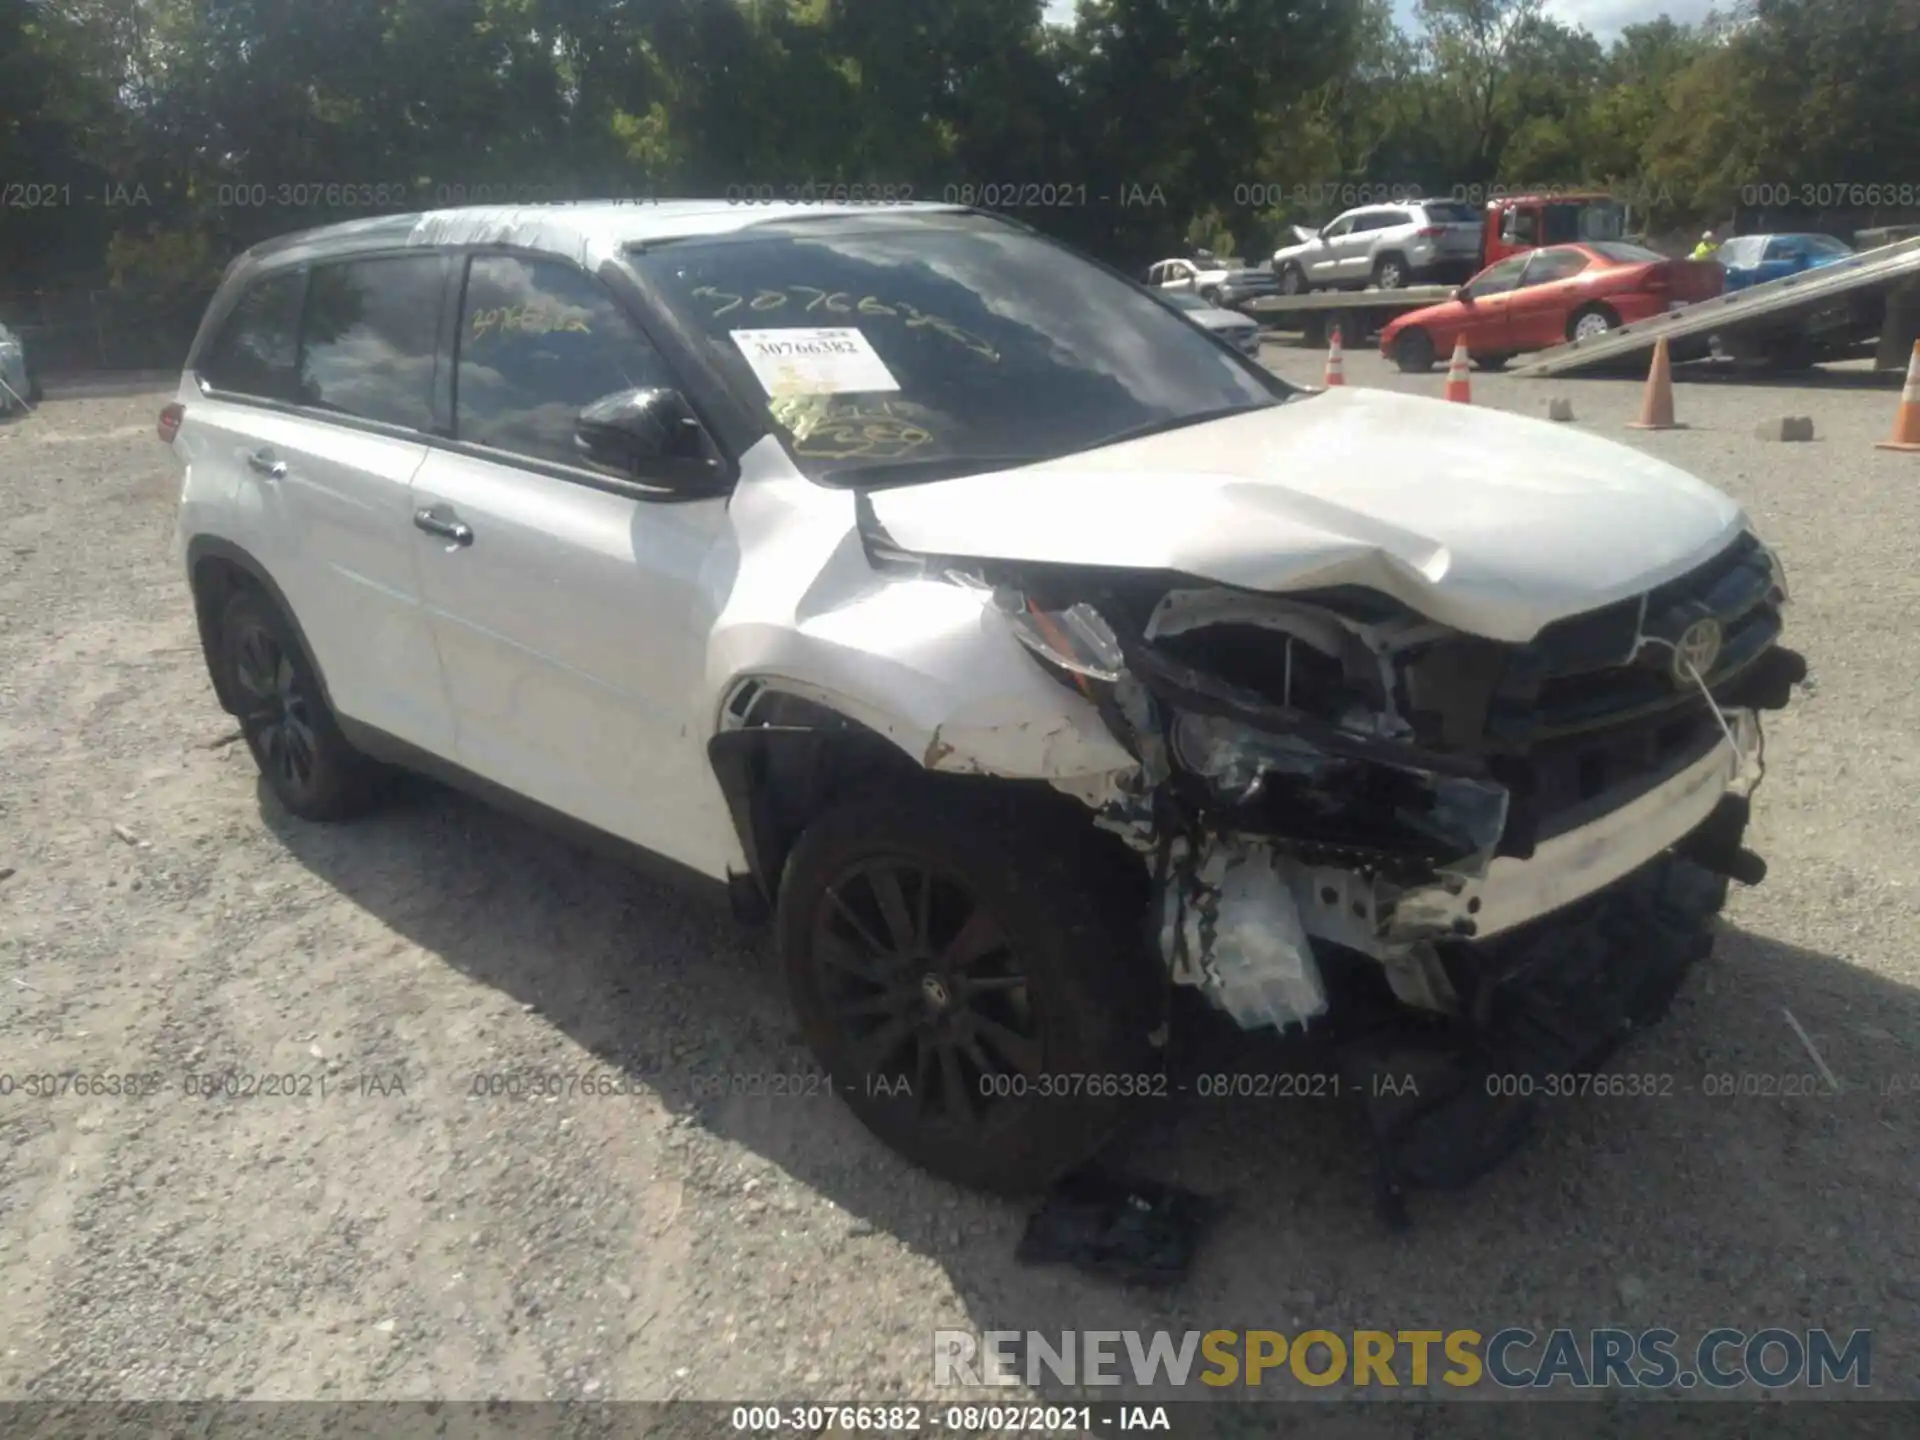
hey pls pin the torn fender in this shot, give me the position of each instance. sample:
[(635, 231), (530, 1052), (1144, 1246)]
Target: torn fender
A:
[(931, 668)]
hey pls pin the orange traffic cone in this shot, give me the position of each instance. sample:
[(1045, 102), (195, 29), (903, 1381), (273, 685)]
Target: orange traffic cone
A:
[(1656, 405), (1336, 362), (1459, 388), (1906, 420)]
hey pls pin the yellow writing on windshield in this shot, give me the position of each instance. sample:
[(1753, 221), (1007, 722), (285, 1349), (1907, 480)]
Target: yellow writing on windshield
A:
[(823, 430), (811, 300), (531, 319)]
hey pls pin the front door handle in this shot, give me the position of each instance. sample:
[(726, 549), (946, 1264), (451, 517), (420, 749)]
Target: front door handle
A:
[(262, 462), (445, 526)]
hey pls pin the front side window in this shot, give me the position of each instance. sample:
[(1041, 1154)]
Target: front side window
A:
[(368, 338), (254, 353), (941, 344), (1498, 279), (539, 341)]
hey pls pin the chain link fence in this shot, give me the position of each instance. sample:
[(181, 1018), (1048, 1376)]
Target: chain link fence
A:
[(113, 328)]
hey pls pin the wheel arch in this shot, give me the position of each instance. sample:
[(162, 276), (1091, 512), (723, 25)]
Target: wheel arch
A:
[(216, 568), (786, 752)]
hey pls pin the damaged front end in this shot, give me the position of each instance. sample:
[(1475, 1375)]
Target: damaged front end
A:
[(1328, 781)]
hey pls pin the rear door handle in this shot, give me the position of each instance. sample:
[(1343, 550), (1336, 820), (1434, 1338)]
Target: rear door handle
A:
[(262, 462), (443, 525)]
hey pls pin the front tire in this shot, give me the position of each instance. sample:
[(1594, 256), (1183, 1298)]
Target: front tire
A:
[(284, 716), (1293, 280), (964, 967), (1413, 351)]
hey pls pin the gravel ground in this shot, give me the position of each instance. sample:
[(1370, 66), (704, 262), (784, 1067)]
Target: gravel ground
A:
[(402, 1238)]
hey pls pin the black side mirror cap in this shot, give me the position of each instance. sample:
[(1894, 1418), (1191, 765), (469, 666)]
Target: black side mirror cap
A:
[(650, 436)]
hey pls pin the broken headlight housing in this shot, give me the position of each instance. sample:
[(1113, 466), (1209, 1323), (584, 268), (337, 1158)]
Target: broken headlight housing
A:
[(1076, 638)]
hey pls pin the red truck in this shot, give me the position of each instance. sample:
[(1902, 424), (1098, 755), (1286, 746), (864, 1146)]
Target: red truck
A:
[(1525, 222)]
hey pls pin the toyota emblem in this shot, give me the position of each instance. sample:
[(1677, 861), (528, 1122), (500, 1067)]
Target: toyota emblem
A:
[(1697, 650)]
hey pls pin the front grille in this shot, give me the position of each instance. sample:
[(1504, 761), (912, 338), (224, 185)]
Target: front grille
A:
[(1612, 667)]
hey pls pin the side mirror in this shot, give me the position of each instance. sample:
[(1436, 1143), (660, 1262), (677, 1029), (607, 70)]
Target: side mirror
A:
[(1463, 295), (651, 436)]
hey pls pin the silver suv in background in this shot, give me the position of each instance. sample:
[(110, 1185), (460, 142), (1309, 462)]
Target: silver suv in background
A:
[(1385, 246)]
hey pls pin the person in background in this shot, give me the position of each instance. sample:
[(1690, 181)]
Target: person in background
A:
[(1704, 250)]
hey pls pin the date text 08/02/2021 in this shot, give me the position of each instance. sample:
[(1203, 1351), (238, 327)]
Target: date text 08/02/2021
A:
[(975, 1419)]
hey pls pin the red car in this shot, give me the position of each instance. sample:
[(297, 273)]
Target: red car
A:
[(1542, 298)]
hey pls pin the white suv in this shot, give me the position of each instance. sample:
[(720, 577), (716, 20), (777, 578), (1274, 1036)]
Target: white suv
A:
[(1384, 246), (1027, 654)]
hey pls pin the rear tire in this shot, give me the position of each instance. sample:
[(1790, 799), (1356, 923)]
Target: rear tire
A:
[(1389, 273), (284, 716), (941, 944), (1591, 322), (1413, 351)]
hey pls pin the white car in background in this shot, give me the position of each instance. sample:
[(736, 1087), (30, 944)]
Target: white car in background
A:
[(1225, 283), (1025, 656)]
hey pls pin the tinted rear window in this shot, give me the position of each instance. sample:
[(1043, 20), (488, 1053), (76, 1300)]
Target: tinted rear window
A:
[(254, 352), (1449, 212), (369, 337)]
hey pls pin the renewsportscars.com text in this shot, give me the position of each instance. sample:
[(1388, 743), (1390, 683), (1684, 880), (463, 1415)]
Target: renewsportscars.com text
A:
[(1512, 1358)]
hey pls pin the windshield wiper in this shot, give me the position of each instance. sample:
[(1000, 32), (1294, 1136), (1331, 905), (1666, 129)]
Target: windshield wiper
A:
[(1180, 422), (924, 468)]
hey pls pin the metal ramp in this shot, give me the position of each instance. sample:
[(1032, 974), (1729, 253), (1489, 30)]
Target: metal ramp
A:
[(1811, 290)]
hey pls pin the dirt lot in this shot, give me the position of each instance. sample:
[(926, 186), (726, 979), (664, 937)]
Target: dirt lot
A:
[(403, 1237)]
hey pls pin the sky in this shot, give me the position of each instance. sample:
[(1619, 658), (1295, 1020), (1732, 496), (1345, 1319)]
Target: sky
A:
[(1603, 17)]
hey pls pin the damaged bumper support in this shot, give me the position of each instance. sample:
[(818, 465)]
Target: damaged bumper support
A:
[(1241, 928)]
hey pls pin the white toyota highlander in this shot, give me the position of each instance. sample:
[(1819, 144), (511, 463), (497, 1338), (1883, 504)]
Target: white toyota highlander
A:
[(1032, 659)]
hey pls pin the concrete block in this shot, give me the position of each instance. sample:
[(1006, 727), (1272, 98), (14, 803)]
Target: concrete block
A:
[(1560, 409), (1786, 427)]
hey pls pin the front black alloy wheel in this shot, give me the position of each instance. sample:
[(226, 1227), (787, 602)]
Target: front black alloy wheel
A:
[(927, 989), (274, 693), (969, 972)]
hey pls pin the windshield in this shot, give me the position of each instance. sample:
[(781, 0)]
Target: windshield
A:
[(1826, 245), (1566, 223), (926, 344)]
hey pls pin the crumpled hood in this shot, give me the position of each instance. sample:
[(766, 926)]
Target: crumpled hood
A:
[(1492, 523)]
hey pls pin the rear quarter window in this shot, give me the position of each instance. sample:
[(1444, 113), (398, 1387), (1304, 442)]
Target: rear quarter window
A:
[(255, 352)]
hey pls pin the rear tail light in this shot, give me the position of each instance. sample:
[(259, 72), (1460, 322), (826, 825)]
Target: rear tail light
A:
[(170, 418), (1431, 232), (1659, 279)]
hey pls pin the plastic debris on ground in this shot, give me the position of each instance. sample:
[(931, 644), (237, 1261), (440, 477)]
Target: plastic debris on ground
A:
[(1138, 1232)]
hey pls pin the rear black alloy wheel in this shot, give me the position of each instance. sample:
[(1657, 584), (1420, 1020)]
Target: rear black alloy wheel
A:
[(278, 718), (274, 693), (928, 990), (968, 970)]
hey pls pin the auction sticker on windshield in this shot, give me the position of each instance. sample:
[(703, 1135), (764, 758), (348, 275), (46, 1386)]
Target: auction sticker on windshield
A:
[(837, 361)]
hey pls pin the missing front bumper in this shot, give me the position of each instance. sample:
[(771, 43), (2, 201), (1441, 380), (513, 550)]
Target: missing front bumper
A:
[(1239, 928)]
